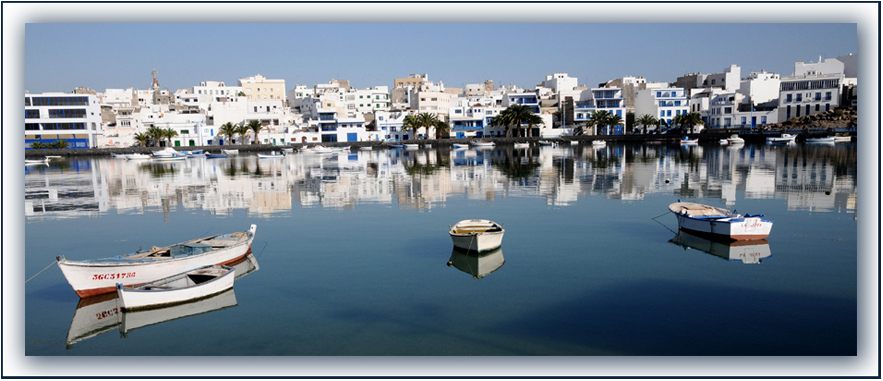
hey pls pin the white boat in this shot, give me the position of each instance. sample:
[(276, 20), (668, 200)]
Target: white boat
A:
[(482, 144), (427, 146), (168, 152), (339, 149), (121, 156), (747, 252), (319, 149), (825, 140), (365, 148), (477, 235), (461, 146), (735, 139), (718, 222), (168, 158), (687, 141), (478, 265), (574, 142), (37, 162), (545, 143), (599, 143), (784, 139), (286, 151), (271, 155), (98, 276), (521, 145), (137, 156), (842, 139), (230, 152), (411, 146), (201, 282), (724, 142)]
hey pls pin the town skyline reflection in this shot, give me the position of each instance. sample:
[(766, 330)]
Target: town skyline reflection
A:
[(818, 178)]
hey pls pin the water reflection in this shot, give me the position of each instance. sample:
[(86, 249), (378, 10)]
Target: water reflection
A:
[(101, 313), (748, 252), (478, 265), (809, 176)]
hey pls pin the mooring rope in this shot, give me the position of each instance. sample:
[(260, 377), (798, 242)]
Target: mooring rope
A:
[(262, 249), (663, 225), (50, 265)]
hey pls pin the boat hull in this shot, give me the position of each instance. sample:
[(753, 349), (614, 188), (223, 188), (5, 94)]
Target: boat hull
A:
[(740, 229), (95, 277), (477, 241), (176, 289)]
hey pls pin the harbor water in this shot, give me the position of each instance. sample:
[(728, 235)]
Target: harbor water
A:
[(353, 257)]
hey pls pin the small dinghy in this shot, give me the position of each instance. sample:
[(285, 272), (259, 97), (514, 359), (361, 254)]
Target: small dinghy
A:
[(271, 155), (190, 285), (718, 222), (477, 235), (521, 145)]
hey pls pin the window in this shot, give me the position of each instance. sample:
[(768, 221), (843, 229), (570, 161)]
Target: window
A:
[(817, 107), (828, 96), (762, 120), (728, 110), (788, 98), (32, 114), (743, 120), (799, 97)]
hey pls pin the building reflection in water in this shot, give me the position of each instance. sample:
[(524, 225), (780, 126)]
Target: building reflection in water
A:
[(809, 177)]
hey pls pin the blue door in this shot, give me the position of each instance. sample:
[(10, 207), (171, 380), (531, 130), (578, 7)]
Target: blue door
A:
[(461, 135), (352, 137)]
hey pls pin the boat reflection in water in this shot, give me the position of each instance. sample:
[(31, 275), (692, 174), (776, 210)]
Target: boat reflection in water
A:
[(477, 264), (748, 252), (101, 313)]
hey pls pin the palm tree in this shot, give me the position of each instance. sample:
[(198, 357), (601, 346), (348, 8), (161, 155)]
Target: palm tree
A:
[(440, 127), (600, 118), (227, 129), (647, 120), (39, 145), (156, 134), (144, 139), (242, 130), (59, 144), (410, 123), (533, 120), (255, 126), (426, 120), (169, 133), (692, 119), (514, 115)]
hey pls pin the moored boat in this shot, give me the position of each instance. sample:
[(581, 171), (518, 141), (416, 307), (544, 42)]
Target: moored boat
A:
[(411, 146), (545, 143), (719, 222), (216, 155), (735, 139), (724, 142), (98, 276), (230, 151), (599, 143), (461, 146), (36, 162), (522, 145), (784, 139), (687, 141), (482, 144), (201, 282), (365, 148), (168, 158), (271, 155), (477, 235), (137, 156), (168, 152), (823, 140), (842, 139)]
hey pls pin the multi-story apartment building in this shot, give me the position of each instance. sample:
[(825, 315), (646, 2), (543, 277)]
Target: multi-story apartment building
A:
[(365, 101), (413, 80), (75, 118), (664, 104), (602, 99), (809, 94), (470, 117), (263, 94)]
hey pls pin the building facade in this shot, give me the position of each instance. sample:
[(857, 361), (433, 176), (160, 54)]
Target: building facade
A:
[(74, 118)]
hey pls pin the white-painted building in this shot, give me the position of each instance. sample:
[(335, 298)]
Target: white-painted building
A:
[(608, 99), (760, 87), (664, 104), (809, 94), (75, 118)]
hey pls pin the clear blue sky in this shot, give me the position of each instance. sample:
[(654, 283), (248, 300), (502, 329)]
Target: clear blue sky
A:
[(122, 55)]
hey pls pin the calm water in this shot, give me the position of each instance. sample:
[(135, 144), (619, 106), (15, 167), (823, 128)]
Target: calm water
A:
[(352, 250)]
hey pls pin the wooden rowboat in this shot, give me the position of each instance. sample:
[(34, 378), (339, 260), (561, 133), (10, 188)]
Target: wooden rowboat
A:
[(719, 222), (199, 283), (477, 235), (99, 276)]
